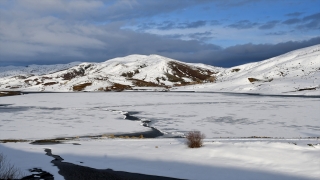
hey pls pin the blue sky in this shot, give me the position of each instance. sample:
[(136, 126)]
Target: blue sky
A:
[(217, 32)]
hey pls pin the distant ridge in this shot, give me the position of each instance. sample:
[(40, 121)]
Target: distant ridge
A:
[(296, 72), (125, 73)]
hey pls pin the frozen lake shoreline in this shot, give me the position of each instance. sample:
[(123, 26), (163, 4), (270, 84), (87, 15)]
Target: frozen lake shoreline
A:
[(175, 91)]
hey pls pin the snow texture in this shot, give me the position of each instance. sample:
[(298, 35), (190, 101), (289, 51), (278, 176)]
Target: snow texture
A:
[(296, 72)]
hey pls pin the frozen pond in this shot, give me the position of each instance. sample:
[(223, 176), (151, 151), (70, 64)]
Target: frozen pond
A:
[(50, 115)]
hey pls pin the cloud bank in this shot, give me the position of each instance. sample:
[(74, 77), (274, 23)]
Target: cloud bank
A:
[(62, 31)]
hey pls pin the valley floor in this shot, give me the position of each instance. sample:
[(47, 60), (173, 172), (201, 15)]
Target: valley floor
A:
[(289, 127), (218, 159)]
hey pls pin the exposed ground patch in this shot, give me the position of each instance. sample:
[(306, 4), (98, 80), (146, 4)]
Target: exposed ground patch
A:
[(9, 93), (197, 75), (81, 87)]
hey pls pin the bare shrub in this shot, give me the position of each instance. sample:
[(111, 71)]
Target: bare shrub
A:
[(195, 139), (7, 170)]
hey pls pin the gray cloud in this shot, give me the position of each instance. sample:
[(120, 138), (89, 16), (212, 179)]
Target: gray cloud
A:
[(232, 3), (111, 41), (215, 22), (244, 24), (312, 22), (202, 37), (240, 54), (278, 33), (194, 24), (46, 32), (294, 14), (61, 41), (167, 25), (291, 21), (269, 25), (100, 10)]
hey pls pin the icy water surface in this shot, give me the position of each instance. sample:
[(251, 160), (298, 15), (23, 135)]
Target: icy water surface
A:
[(48, 115)]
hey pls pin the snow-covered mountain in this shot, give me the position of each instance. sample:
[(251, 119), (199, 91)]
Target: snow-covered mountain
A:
[(296, 72), (32, 70), (130, 72)]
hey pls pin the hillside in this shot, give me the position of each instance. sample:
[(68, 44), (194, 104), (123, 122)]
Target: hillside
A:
[(32, 70), (125, 73), (296, 72)]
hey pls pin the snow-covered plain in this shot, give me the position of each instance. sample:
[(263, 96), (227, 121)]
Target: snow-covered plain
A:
[(217, 159), (52, 115)]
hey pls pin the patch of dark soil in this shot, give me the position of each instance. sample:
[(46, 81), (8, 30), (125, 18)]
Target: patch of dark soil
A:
[(182, 70), (80, 87), (307, 89), (260, 137), (9, 93), (235, 70), (46, 141), (45, 77), (131, 74), (15, 87), (141, 83), (12, 140), (252, 80), (5, 105), (127, 74), (38, 174), (118, 87), (76, 172), (20, 77), (73, 73), (50, 83), (198, 75)]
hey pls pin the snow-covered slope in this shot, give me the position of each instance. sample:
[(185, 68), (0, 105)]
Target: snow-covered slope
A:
[(32, 70), (128, 72), (296, 72)]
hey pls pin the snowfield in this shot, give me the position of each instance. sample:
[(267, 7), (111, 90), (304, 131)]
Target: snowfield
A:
[(291, 152), (52, 115), (220, 159)]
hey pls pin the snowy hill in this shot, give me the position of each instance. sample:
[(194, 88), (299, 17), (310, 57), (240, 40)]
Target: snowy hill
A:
[(33, 69), (296, 72), (125, 73)]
